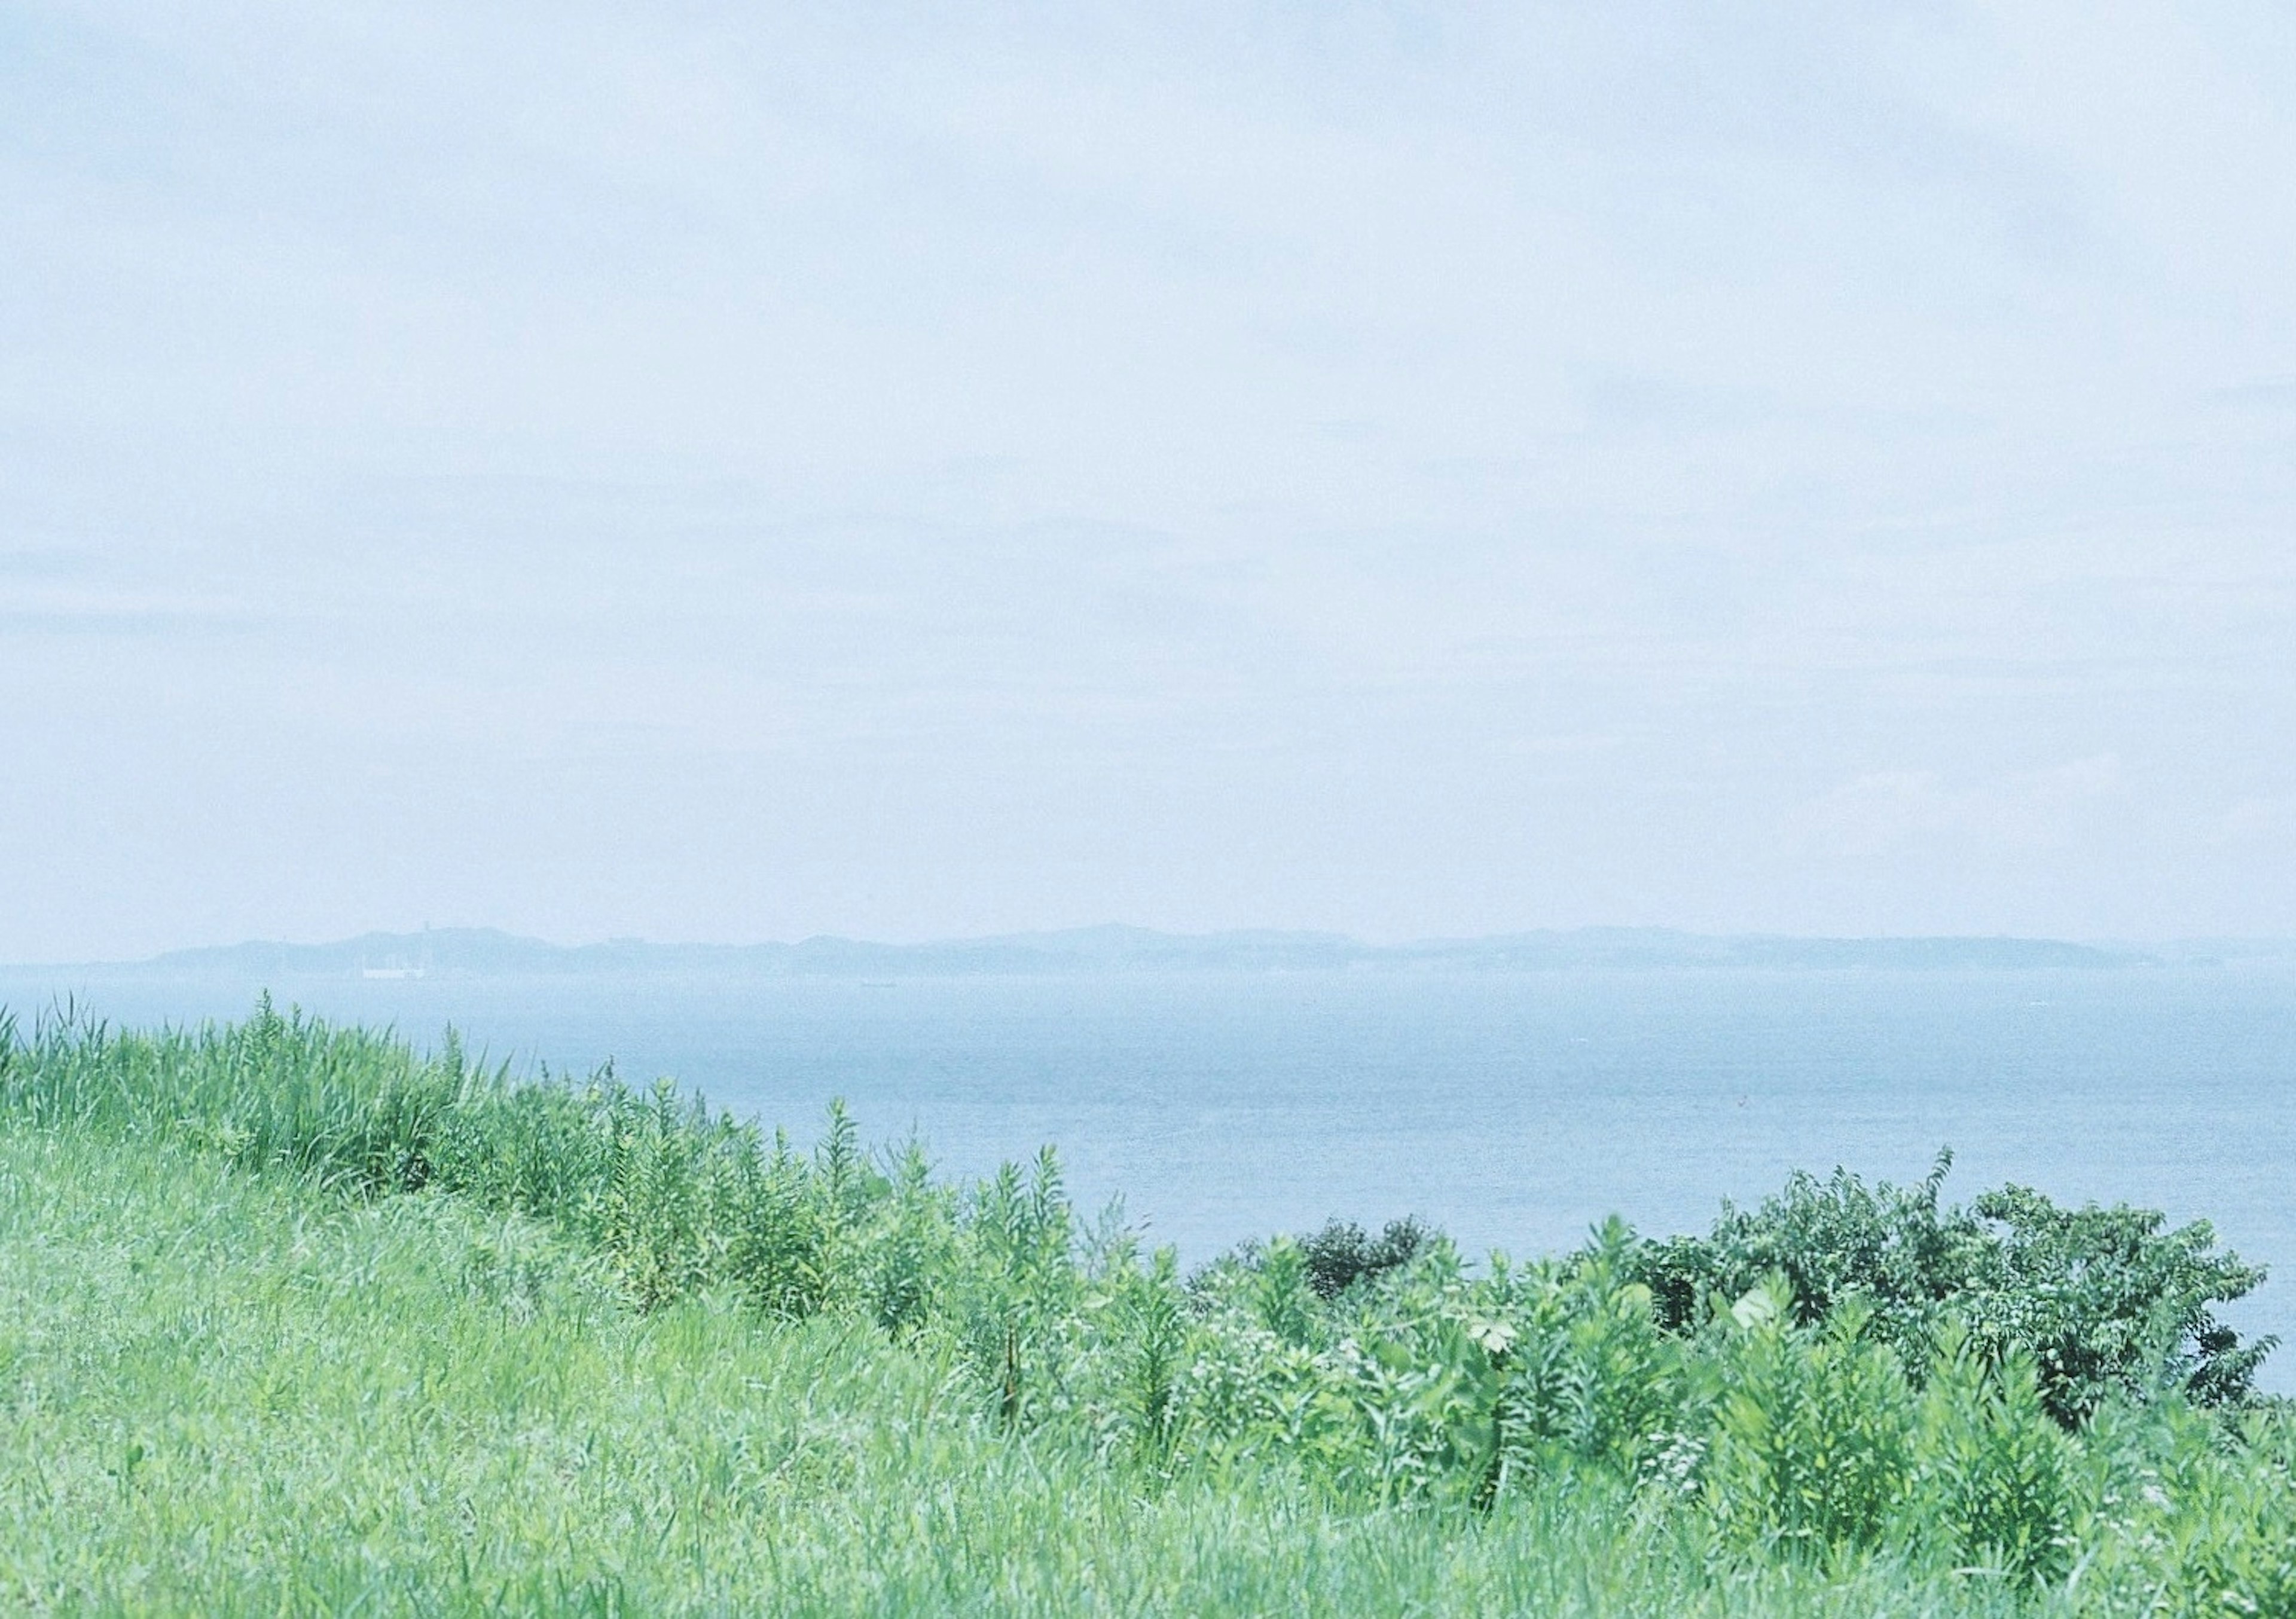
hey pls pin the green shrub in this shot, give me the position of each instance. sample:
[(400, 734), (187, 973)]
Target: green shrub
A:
[(1015, 1289), (2184, 1516), (2103, 1300), (1993, 1473), (2110, 1304), (1286, 1292), (1341, 1254), (1894, 1247), (1590, 1377), (1812, 1439)]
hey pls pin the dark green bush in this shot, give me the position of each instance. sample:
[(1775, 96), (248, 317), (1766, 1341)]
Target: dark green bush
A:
[(1341, 1254), (2105, 1300), (2109, 1303)]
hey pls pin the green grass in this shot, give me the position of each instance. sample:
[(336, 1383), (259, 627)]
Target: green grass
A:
[(297, 1319), (228, 1393)]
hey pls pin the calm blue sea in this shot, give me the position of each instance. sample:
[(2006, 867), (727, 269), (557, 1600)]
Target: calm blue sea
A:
[(1514, 1110)]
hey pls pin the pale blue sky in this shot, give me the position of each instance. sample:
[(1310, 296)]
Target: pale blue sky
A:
[(676, 471)]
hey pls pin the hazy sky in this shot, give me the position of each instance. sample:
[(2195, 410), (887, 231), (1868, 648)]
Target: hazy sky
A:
[(690, 472)]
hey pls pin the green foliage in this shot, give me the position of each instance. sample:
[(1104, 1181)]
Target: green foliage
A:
[(1151, 1338), (1286, 1292), (1016, 1288), (1909, 1408), (1341, 1254), (1892, 1247), (237, 1394), (2178, 1517), (1994, 1474), (1590, 1377), (905, 1268), (1813, 1441), (2111, 1305), (2104, 1301)]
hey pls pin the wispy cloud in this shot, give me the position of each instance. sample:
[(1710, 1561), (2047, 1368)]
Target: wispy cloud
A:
[(1883, 810)]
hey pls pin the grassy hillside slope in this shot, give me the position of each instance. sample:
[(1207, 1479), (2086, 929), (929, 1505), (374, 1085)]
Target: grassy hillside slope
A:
[(226, 1393), (299, 1320)]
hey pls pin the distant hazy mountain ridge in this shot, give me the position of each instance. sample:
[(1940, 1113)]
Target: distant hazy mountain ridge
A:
[(488, 953)]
